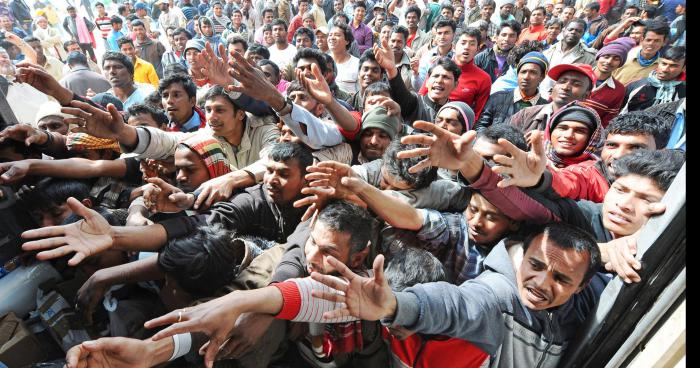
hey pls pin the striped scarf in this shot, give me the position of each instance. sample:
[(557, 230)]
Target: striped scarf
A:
[(211, 152), (83, 141)]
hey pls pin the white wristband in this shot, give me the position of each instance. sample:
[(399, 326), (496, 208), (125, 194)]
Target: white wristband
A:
[(182, 345)]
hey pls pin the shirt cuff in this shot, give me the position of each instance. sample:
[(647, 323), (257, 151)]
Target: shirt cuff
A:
[(143, 140), (291, 300)]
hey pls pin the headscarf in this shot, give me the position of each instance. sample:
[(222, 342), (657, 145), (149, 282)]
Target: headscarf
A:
[(211, 152), (466, 114), (594, 140), (82, 141)]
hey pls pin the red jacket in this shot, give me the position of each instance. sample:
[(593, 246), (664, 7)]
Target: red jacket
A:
[(580, 181), (440, 351), (473, 88)]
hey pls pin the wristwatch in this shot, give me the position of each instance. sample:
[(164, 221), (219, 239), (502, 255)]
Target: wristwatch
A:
[(287, 108)]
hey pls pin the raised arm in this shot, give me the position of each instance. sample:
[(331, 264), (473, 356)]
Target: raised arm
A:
[(78, 168), (399, 92), (318, 88)]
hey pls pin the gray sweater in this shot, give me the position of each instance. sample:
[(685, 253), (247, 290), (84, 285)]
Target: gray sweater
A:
[(487, 311)]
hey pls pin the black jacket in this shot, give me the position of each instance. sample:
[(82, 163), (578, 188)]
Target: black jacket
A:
[(640, 95), (499, 109), (486, 60)]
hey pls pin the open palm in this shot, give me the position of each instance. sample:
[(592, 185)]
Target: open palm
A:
[(85, 238), (443, 149), (91, 120), (213, 67), (523, 169)]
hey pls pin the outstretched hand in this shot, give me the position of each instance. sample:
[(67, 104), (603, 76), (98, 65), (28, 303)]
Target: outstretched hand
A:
[(38, 78), (385, 58), (443, 149), (99, 123), (251, 80), (366, 298), (215, 68), (110, 352), (317, 86), (160, 196), (24, 133), (85, 238), (523, 169)]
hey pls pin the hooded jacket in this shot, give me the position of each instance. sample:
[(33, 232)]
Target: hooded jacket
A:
[(488, 312), (594, 140)]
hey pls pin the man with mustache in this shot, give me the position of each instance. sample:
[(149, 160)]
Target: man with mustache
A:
[(665, 84)]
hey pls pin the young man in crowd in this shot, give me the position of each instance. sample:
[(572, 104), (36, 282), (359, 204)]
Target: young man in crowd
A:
[(282, 52), (115, 33), (73, 25), (416, 37), (488, 7), (493, 60), (536, 31), (177, 54), (144, 72), (595, 23), (150, 50), (665, 84), (643, 60), (608, 96), (119, 71)]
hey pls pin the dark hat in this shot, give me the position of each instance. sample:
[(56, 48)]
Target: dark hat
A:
[(534, 57), (577, 113), (377, 117)]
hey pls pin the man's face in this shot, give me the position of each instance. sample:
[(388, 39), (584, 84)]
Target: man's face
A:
[(270, 74), (378, 20), (486, 12), (369, 73), (652, 43), (71, 13), (449, 119), (309, 23), (373, 143), (549, 275), (221, 116), (206, 29), (444, 36), (626, 201), (192, 59), (322, 243), (567, 14), (6, 23), (73, 47), (53, 124), (506, 39), (618, 145), (440, 83), (141, 13), (397, 42), (128, 50), (392, 182), (553, 31), (506, 10), (237, 47), (608, 63), (359, 13), (537, 17), (53, 216), (446, 13), (558, 8), (321, 40), (459, 11), (283, 181), (304, 65), (569, 138), (268, 17), (117, 74), (180, 40), (466, 48), (669, 70), (142, 119), (303, 7), (36, 46), (336, 39), (529, 77), (191, 170), (117, 26), (573, 33), (237, 18), (632, 12), (338, 6), (163, 7), (218, 10), (268, 38), (570, 86), (303, 99), (303, 40), (100, 9), (177, 104), (279, 33), (412, 20), (140, 32), (637, 33), (487, 225), (287, 135), (590, 13)]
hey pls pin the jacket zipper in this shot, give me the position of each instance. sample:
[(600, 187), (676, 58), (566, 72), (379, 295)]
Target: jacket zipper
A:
[(551, 340)]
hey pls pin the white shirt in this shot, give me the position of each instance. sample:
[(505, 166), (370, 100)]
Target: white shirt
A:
[(282, 57), (347, 75)]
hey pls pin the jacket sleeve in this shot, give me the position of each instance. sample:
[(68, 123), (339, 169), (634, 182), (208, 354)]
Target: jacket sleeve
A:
[(487, 114), (154, 143), (482, 98), (580, 183), (400, 93), (317, 134), (299, 306), (153, 76)]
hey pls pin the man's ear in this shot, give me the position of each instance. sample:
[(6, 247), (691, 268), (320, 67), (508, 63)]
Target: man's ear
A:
[(357, 259), (87, 202)]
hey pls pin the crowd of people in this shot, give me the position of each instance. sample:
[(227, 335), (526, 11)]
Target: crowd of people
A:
[(332, 183)]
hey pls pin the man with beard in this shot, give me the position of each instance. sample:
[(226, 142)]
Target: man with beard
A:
[(501, 105), (473, 85), (493, 60)]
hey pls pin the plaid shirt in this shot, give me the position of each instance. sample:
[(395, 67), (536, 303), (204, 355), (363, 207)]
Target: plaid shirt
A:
[(491, 30), (446, 234)]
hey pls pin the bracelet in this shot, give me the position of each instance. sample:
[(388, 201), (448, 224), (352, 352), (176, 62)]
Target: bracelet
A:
[(182, 345)]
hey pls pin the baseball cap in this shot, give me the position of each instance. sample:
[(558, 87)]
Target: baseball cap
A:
[(585, 69), (194, 44)]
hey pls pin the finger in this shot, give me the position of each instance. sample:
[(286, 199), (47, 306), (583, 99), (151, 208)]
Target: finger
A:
[(421, 139), (103, 344), (420, 166), (504, 160), (166, 319), (222, 53), (211, 199), (537, 143), (628, 252), (416, 152), (317, 176), (55, 253), (331, 281), (655, 209), (329, 296), (48, 243), (32, 139), (505, 183), (338, 313), (44, 232), (80, 209), (343, 270), (116, 115), (432, 128), (76, 259), (202, 197), (177, 328), (378, 267), (320, 183), (309, 212), (510, 148), (157, 181), (333, 165), (316, 71), (212, 351), (74, 355), (306, 201)]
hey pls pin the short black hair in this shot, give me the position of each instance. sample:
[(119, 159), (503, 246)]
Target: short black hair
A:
[(68, 43), (347, 32), (520, 50), (512, 24), (446, 23), (593, 6), (76, 58), (413, 9), (488, 3), (184, 79), (20, 148), (306, 31), (99, 4), (120, 58), (376, 88), (540, 8), (567, 236), (235, 38), (268, 10), (471, 32), (660, 28), (279, 22), (329, 61), (643, 123), (259, 49), (295, 86), (676, 53), (271, 63), (348, 218), (660, 166), (309, 53), (124, 40), (449, 65), (399, 29), (509, 132), (219, 91), (121, 9), (554, 21), (29, 39), (579, 21), (410, 266), (368, 55), (180, 30), (632, 6), (51, 192), (399, 167), (137, 23), (285, 151), (116, 20), (158, 115), (448, 7), (360, 4), (387, 23)]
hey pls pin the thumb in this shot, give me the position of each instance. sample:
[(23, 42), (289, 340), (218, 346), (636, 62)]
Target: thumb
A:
[(655, 209), (378, 267), (537, 145), (103, 344), (79, 208), (157, 181), (116, 116)]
